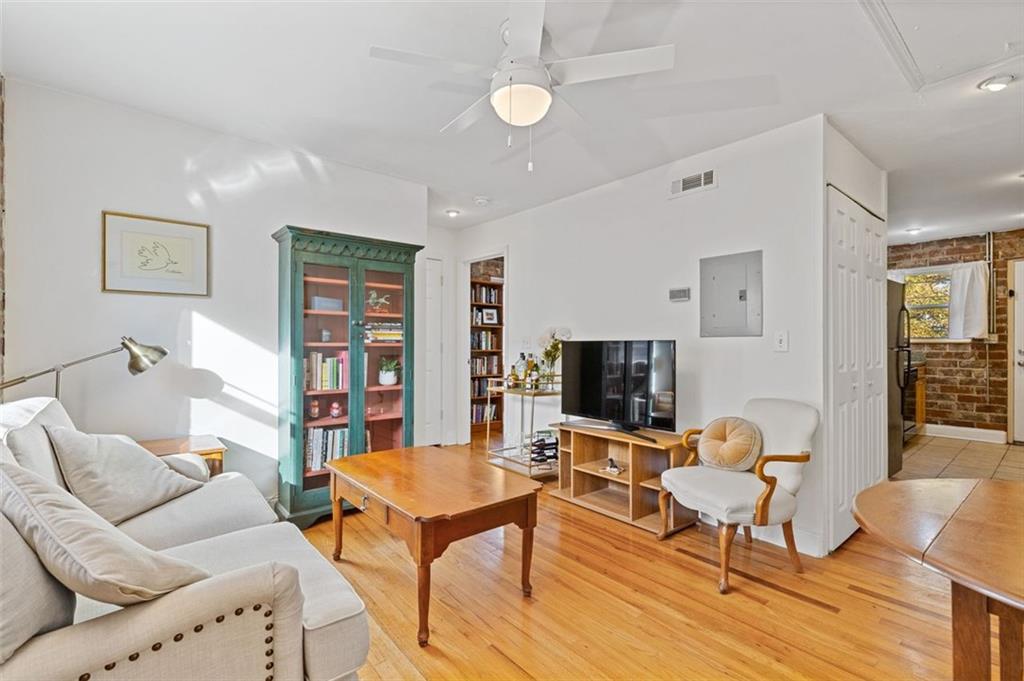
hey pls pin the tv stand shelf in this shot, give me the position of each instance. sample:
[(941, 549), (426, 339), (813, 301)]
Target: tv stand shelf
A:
[(631, 496)]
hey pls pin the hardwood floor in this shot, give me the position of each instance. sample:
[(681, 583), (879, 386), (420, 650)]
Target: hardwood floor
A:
[(611, 602)]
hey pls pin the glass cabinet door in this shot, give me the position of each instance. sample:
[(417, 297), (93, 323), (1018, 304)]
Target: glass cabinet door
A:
[(327, 368), (384, 328)]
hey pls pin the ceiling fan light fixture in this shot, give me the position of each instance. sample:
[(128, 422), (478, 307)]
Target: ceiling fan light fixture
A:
[(521, 96)]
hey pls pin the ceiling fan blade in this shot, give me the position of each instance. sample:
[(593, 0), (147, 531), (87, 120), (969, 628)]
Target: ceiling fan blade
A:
[(474, 113), (612, 65), (525, 28), (431, 61)]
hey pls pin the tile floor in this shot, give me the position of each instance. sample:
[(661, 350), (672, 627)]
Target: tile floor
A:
[(943, 457)]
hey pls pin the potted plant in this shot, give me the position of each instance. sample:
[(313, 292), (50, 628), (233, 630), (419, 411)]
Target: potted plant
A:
[(389, 368)]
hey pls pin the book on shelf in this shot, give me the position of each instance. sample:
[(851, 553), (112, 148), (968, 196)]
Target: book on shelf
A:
[(325, 444), (325, 373), (484, 340), (384, 332), (485, 295), (481, 366), (482, 413)]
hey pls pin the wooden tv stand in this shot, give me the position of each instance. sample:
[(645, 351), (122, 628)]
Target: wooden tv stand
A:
[(631, 496)]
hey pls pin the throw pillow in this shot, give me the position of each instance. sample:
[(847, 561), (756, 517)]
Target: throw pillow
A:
[(730, 443), (82, 550), (31, 600), (113, 475)]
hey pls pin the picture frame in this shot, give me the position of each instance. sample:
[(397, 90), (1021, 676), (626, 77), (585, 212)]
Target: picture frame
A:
[(490, 316), (143, 254)]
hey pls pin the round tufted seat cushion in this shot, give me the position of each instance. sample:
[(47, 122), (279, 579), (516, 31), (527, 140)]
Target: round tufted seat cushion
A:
[(730, 443)]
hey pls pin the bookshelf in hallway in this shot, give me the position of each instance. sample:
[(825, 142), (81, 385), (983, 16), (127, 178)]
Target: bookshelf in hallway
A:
[(345, 357), (487, 339)]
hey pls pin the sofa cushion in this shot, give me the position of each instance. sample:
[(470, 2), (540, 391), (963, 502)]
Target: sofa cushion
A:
[(728, 496), (229, 502), (31, 600), (336, 631), (23, 430), (188, 464), (730, 443), (113, 475), (82, 550)]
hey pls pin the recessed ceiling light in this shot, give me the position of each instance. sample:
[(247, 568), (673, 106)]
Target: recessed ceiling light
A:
[(915, 230), (995, 83), (452, 213), (484, 200)]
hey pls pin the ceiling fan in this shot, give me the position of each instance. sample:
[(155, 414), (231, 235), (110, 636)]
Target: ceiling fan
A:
[(524, 88)]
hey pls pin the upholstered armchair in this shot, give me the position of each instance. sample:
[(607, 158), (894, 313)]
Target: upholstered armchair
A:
[(765, 495)]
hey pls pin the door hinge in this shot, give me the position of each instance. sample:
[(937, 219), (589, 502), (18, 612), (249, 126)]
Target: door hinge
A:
[(1011, 293)]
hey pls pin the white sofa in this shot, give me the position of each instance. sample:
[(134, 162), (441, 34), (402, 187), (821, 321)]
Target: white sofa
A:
[(274, 608)]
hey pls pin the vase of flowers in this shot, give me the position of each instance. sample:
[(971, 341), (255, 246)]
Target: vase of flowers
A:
[(389, 368), (551, 351)]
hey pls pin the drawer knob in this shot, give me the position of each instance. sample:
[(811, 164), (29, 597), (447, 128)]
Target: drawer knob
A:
[(362, 504)]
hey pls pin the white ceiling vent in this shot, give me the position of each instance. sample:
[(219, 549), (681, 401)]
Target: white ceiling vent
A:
[(691, 183)]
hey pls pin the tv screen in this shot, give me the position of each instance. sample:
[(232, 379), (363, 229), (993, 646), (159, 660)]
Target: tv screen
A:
[(630, 383)]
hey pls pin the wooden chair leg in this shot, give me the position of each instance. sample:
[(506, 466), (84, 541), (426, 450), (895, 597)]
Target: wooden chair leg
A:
[(664, 497), (747, 534), (726, 532), (787, 533)]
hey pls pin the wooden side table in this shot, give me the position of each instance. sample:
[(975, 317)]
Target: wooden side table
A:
[(207, 446)]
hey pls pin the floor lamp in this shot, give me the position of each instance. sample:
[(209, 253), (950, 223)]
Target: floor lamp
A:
[(140, 358)]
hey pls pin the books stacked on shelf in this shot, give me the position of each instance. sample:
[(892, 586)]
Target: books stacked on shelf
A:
[(544, 446), (479, 387), (485, 295), (485, 366), (484, 340), (383, 332), (323, 445), (482, 413), (325, 373)]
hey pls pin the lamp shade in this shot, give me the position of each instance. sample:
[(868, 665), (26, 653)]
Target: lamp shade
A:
[(521, 96), (140, 355)]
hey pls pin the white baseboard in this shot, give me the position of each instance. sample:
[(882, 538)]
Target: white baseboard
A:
[(961, 433)]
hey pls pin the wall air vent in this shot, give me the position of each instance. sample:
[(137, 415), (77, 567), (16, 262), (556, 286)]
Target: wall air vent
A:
[(705, 180)]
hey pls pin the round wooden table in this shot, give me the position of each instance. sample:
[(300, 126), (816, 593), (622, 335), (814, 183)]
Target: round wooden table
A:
[(971, 531)]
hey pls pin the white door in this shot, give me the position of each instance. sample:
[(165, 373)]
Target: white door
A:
[(431, 336), (1018, 351), (856, 417)]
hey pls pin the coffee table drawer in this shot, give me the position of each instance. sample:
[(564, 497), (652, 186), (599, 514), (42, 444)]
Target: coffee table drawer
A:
[(373, 506), (368, 503)]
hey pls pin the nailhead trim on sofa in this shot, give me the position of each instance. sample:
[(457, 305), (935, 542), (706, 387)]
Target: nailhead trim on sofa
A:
[(177, 638)]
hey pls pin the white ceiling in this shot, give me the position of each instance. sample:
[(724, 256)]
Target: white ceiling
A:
[(298, 74)]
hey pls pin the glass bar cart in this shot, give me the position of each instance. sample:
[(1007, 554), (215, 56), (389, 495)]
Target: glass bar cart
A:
[(527, 456)]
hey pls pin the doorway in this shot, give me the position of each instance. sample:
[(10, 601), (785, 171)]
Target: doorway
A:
[(486, 335), (1015, 351)]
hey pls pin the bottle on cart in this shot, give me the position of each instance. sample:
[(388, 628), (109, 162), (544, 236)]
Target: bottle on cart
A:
[(521, 368)]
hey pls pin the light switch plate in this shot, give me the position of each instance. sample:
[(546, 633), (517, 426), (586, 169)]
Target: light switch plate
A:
[(782, 341)]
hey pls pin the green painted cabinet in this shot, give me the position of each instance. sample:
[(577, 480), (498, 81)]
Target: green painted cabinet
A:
[(345, 352)]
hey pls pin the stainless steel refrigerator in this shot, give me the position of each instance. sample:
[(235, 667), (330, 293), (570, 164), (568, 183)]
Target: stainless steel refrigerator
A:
[(898, 362)]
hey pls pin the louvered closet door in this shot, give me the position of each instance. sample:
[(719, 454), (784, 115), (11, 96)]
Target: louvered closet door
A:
[(856, 418)]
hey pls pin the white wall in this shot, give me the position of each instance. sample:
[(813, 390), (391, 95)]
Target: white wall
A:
[(847, 168), (68, 159), (601, 263)]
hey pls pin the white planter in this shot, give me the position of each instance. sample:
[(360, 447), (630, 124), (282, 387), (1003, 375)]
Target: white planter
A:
[(387, 377)]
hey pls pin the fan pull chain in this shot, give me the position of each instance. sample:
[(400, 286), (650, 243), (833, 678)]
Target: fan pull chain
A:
[(529, 163), (508, 145)]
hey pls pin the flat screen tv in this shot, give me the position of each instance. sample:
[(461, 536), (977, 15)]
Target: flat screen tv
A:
[(630, 384)]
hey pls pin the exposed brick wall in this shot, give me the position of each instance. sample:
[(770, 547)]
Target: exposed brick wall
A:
[(495, 267), (966, 381)]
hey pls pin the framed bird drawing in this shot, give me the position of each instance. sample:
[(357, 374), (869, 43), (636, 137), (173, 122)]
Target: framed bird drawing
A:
[(143, 254)]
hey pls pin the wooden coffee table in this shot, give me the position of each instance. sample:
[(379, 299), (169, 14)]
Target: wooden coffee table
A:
[(431, 497), (971, 531)]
